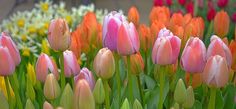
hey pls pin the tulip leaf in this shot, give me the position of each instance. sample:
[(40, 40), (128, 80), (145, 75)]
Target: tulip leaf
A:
[(229, 97), (219, 103), (197, 105), (149, 82)]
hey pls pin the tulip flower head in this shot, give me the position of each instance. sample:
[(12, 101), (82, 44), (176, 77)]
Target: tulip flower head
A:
[(166, 48), (86, 75), (128, 39), (59, 35), (232, 47), (194, 56), (111, 25), (51, 88), (216, 72), (221, 23), (133, 16), (71, 66), (136, 63), (7, 67), (44, 66)]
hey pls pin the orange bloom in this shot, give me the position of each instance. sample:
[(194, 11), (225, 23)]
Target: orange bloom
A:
[(196, 79), (176, 19), (155, 28), (75, 45), (178, 31), (133, 16), (136, 63), (145, 37), (232, 47), (161, 14), (194, 28), (187, 19), (221, 23)]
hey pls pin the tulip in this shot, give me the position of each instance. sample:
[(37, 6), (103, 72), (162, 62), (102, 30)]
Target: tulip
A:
[(75, 45), (216, 72), (169, 2), (136, 63), (166, 48), (221, 24), (176, 19), (190, 98), (196, 79), (71, 66), (31, 73), (99, 92), (161, 14), (29, 104), (190, 7), (156, 26), (45, 47), (83, 98), (51, 88), (87, 75), (104, 64), (111, 25), (67, 97), (137, 105), (194, 28), (233, 17), (6, 41), (211, 14), (44, 66), (187, 19), (145, 37), (222, 3), (133, 16), (7, 67), (178, 31), (47, 105), (125, 104), (180, 94), (128, 39), (193, 58), (3, 101), (218, 47), (158, 2), (181, 2), (232, 47), (59, 35)]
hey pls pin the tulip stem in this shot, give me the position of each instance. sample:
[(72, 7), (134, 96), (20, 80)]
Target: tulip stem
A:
[(118, 77), (63, 80), (8, 92), (191, 79), (107, 99), (15, 88), (140, 89), (211, 104), (129, 80), (162, 82)]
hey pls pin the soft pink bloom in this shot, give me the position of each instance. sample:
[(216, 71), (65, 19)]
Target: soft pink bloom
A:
[(111, 25), (7, 65), (128, 39), (6, 41), (44, 66), (71, 66), (59, 35), (194, 56), (216, 72), (87, 75), (166, 48), (218, 47)]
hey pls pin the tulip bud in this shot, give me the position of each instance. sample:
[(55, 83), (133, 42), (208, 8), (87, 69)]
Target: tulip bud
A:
[(51, 88), (176, 106), (222, 3), (193, 58), (7, 67), (71, 66), (211, 14), (136, 63), (75, 45), (181, 2), (44, 66), (87, 75), (47, 105), (111, 25), (104, 63), (4, 90), (216, 72), (3, 101), (190, 98), (180, 94), (30, 93), (125, 104), (176, 19), (28, 105), (221, 23), (6, 41), (128, 39), (83, 98), (99, 92), (67, 97), (133, 16), (45, 47), (161, 14), (155, 28), (59, 35), (137, 105), (232, 47), (145, 37), (31, 74), (166, 48), (218, 47)]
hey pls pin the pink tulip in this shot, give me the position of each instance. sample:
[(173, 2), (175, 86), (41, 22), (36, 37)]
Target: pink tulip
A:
[(218, 47), (59, 35), (111, 25), (166, 48), (216, 72), (44, 66), (128, 39), (194, 56), (71, 66), (7, 65), (87, 75), (6, 41)]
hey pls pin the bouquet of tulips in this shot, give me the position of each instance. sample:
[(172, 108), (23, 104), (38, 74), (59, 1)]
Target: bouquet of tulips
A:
[(177, 62)]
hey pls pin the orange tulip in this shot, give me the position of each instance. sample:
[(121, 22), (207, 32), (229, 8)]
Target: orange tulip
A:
[(75, 45), (187, 19), (155, 28), (133, 16), (145, 37), (194, 28), (196, 79), (232, 47), (178, 31), (136, 63), (176, 19), (221, 23), (161, 14)]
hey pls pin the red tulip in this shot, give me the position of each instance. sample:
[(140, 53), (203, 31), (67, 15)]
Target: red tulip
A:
[(194, 56), (71, 66), (190, 7), (128, 39), (158, 2), (211, 14), (182, 2), (44, 66), (86, 75), (234, 17), (7, 65), (222, 3), (169, 2)]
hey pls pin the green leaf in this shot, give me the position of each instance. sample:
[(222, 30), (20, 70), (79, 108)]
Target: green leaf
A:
[(149, 82), (229, 97), (219, 103), (197, 105)]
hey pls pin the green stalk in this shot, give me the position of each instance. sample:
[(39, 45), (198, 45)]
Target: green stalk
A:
[(129, 81), (8, 92), (191, 79), (211, 104), (118, 77), (162, 83), (107, 99), (16, 91), (63, 80), (140, 89)]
